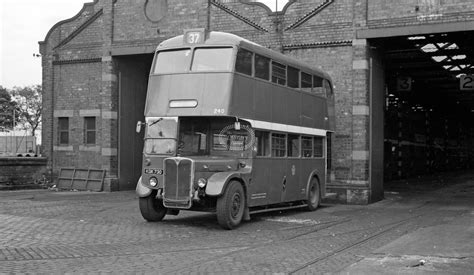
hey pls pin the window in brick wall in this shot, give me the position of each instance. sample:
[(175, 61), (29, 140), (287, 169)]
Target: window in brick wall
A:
[(63, 130), (89, 130)]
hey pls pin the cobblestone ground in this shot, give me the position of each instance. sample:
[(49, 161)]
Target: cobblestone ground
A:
[(82, 232)]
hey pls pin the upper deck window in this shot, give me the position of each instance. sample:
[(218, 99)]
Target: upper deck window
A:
[(262, 67), (243, 63), (293, 77), (306, 82), (176, 61), (212, 59), (318, 86), (278, 73)]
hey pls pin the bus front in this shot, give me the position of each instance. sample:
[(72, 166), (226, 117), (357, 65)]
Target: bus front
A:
[(193, 148)]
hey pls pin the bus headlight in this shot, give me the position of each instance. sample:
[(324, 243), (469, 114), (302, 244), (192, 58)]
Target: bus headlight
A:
[(202, 182), (153, 181)]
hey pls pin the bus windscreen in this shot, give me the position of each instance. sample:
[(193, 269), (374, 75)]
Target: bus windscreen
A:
[(160, 137), (212, 59), (172, 61)]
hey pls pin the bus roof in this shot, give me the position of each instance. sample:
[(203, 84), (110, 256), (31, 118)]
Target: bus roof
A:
[(227, 39)]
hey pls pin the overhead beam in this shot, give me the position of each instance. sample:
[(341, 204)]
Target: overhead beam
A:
[(415, 30)]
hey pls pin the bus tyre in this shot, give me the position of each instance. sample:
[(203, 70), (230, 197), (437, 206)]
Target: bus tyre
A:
[(230, 206), (314, 194), (152, 209)]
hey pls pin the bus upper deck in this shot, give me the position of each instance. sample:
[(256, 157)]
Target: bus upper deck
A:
[(230, 76)]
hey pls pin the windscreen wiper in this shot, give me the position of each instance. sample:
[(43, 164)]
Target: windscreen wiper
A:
[(155, 122)]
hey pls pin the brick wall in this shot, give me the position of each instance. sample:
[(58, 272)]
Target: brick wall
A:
[(17, 172)]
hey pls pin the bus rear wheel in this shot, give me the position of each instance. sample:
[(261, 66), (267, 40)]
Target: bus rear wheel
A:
[(314, 195), (152, 209), (230, 206)]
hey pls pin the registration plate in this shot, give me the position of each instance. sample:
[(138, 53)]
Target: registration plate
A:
[(154, 171)]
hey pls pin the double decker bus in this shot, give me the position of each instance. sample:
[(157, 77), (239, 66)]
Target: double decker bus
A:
[(234, 128)]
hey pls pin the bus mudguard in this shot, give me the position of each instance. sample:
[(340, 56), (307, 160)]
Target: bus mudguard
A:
[(315, 173), (141, 190), (217, 182)]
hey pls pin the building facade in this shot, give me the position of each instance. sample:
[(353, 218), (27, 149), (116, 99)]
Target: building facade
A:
[(96, 64)]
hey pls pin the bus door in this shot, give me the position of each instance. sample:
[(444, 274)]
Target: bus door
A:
[(279, 180)]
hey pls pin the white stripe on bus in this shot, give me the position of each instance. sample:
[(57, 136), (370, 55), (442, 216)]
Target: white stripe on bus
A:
[(271, 126)]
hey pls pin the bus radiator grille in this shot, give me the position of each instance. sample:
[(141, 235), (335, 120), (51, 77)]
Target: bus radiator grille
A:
[(178, 183)]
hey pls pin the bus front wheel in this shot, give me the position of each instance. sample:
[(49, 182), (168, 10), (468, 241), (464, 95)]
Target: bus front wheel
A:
[(152, 209), (230, 206), (314, 195)]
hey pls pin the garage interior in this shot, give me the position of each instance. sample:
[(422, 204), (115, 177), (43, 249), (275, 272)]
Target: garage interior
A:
[(429, 103)]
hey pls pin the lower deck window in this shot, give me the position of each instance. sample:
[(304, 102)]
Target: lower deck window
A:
[(263, 143), (318, 147), (307, 146), (293, 146), (279, 145)]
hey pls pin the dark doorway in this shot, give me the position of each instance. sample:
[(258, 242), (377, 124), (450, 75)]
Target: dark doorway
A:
[(133, 80)]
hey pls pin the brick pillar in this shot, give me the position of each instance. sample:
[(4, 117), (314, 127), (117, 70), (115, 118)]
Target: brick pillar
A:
[(358, 190), (109, 104), (360, 124), (48, 107)]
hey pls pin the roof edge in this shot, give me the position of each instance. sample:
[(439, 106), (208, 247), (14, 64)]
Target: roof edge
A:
[(84, 7)]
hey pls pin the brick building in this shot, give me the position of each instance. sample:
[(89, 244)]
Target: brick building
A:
[(95, 68)]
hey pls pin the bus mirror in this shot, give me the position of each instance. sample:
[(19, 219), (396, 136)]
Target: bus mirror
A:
[(237, 125), (139, 127)]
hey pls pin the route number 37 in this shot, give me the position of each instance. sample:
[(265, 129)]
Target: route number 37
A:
[(194, 36), (467, 82)]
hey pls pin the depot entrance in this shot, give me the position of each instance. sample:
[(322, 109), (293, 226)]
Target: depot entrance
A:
[(133, 80), (429, 103)]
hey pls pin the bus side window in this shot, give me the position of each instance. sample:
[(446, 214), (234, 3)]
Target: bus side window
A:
[(243, 63), (278, 145), (306, 82), (278, 73), (293, 146), (318, 86), (293, 77), (262, 67), (318, 147), (307, 146), (263, 143)]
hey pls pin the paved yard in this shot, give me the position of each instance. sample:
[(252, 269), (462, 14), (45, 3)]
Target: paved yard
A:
[(43, 231)]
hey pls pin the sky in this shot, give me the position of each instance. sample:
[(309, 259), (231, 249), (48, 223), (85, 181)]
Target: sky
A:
[(22, 24)]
